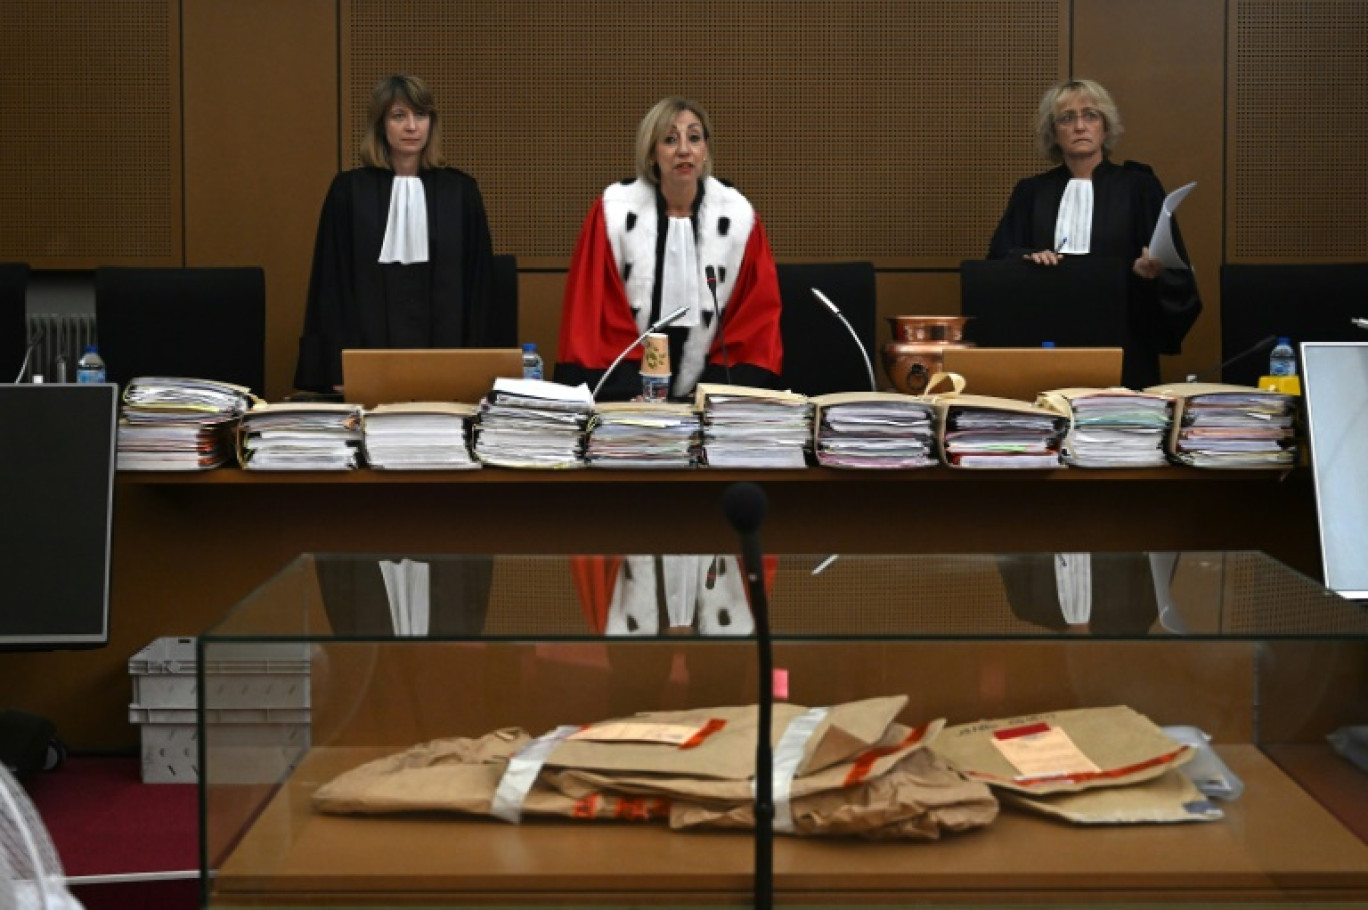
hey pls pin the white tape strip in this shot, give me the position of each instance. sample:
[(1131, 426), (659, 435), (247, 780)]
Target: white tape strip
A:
[(522, 772)]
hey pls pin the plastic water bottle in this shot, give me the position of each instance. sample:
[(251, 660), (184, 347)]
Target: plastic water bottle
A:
[(91, 367), (532, 362), (1282, 360)]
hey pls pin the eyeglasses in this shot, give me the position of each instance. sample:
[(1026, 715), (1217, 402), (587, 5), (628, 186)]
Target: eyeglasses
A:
[(1069, 118)]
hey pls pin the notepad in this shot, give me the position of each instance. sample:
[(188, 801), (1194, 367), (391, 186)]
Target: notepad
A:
[(378, 376), (1023, 373)]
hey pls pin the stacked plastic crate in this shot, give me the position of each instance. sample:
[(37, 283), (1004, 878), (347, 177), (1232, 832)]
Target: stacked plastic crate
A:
[(255, 703)]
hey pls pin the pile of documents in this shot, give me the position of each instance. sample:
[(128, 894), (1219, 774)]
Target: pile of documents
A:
[(319, 436), (1230, 426), (419, 436), (179, 424), (1113, 428), (874, 430), (978, 431), (532, 423), (854, 770), (745, 427), (643, 434)]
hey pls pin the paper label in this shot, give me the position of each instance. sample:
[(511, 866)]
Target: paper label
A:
[(627, 731), (1040, 750)]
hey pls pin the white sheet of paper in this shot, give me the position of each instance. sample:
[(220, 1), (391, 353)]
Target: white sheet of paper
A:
[(1161, 243)]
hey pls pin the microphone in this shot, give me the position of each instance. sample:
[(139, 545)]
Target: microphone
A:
[(869, 367), (711, 274), (653, 327), (745, 504), (1258, 346), (28, 352)]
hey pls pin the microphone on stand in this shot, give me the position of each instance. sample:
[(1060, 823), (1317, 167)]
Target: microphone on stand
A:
[(745, 504), (28, 353), (869, 367), (711, 274), (653, 327), (1261, 345)]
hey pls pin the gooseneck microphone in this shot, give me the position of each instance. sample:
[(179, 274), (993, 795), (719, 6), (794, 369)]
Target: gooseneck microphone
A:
[(745, 504), (835, 311), (711, 274), (1258, 346), (28, 352), (653, 327)]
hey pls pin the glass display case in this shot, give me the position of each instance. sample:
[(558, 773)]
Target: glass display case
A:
[(411, 661)]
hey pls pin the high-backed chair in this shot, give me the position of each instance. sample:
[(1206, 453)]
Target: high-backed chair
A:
[(820, 355), (205, 323), (1303, 302), (505, 322), (13, 318)]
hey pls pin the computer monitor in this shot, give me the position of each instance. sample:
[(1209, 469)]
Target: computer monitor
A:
[(1335, 390), (57, 458)]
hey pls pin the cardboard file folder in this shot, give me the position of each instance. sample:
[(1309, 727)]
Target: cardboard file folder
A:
[(1023, 373)]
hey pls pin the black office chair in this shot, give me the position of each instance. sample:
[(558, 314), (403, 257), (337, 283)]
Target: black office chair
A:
[(13, 318), (205, 323), (504, 326), (820, 355), (1302, 302)]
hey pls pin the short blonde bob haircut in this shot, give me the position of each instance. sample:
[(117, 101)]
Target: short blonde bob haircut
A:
[(658, 121), (1055, 97), (413, 93)]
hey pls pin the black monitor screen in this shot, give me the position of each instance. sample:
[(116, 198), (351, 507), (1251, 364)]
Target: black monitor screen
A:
[(57, 451)]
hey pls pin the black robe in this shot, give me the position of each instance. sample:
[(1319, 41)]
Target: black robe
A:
[(355, 302), (1127, 201)]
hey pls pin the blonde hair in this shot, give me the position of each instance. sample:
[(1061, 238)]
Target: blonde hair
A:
[(1054, 96), (658, 121), (413, 93)]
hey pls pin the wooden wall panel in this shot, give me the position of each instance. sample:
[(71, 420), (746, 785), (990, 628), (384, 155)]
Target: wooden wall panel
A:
[(1169, 87), (260, 149), (1298, 190), (90, 100), (886, 130)]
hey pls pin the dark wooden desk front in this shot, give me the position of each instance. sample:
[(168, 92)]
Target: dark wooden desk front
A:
[(189, 546)]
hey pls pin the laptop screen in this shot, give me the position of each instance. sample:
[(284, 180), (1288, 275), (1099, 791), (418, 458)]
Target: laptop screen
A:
[(1335, 392)]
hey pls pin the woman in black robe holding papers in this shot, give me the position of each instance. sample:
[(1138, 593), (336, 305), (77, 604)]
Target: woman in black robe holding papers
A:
[(1089, 206), (403, 257)]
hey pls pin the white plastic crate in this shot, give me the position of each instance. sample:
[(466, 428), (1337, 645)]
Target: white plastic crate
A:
[(247, 675), (242, 750)]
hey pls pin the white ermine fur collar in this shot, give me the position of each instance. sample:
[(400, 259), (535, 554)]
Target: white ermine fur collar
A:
[(725, 220)]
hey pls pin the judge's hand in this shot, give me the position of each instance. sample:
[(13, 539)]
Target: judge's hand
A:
[(1147, 266), (1044, 257)]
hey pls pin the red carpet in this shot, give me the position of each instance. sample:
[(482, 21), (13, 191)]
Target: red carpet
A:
[(104, 820)]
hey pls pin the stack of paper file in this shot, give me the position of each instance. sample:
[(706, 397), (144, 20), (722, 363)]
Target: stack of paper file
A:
[(745, 427), (978, 431), (532, 423), (1113, 428), (1229, 426), (419, 436), (643, 434), (874, 430), (319, 436), (171, 423)]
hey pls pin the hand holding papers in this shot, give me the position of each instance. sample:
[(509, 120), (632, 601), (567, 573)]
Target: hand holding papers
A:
[(1161, 242)]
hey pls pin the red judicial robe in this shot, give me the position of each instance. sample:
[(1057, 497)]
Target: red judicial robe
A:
[(611, 293)]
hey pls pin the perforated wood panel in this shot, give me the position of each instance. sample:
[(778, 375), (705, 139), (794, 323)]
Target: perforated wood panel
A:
[(89, 100), (889, 131), (1299, 76)]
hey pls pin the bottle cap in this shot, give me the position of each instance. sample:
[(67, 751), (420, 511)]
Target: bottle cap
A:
[(90, 349), (529, 346)]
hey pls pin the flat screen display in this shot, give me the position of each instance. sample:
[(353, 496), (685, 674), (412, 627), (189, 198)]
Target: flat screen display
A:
[(57, 457), (1335, 390)]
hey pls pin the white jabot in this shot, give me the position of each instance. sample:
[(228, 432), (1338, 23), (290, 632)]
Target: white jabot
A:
[(679, 278), (406, 238), (1073, 226)]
